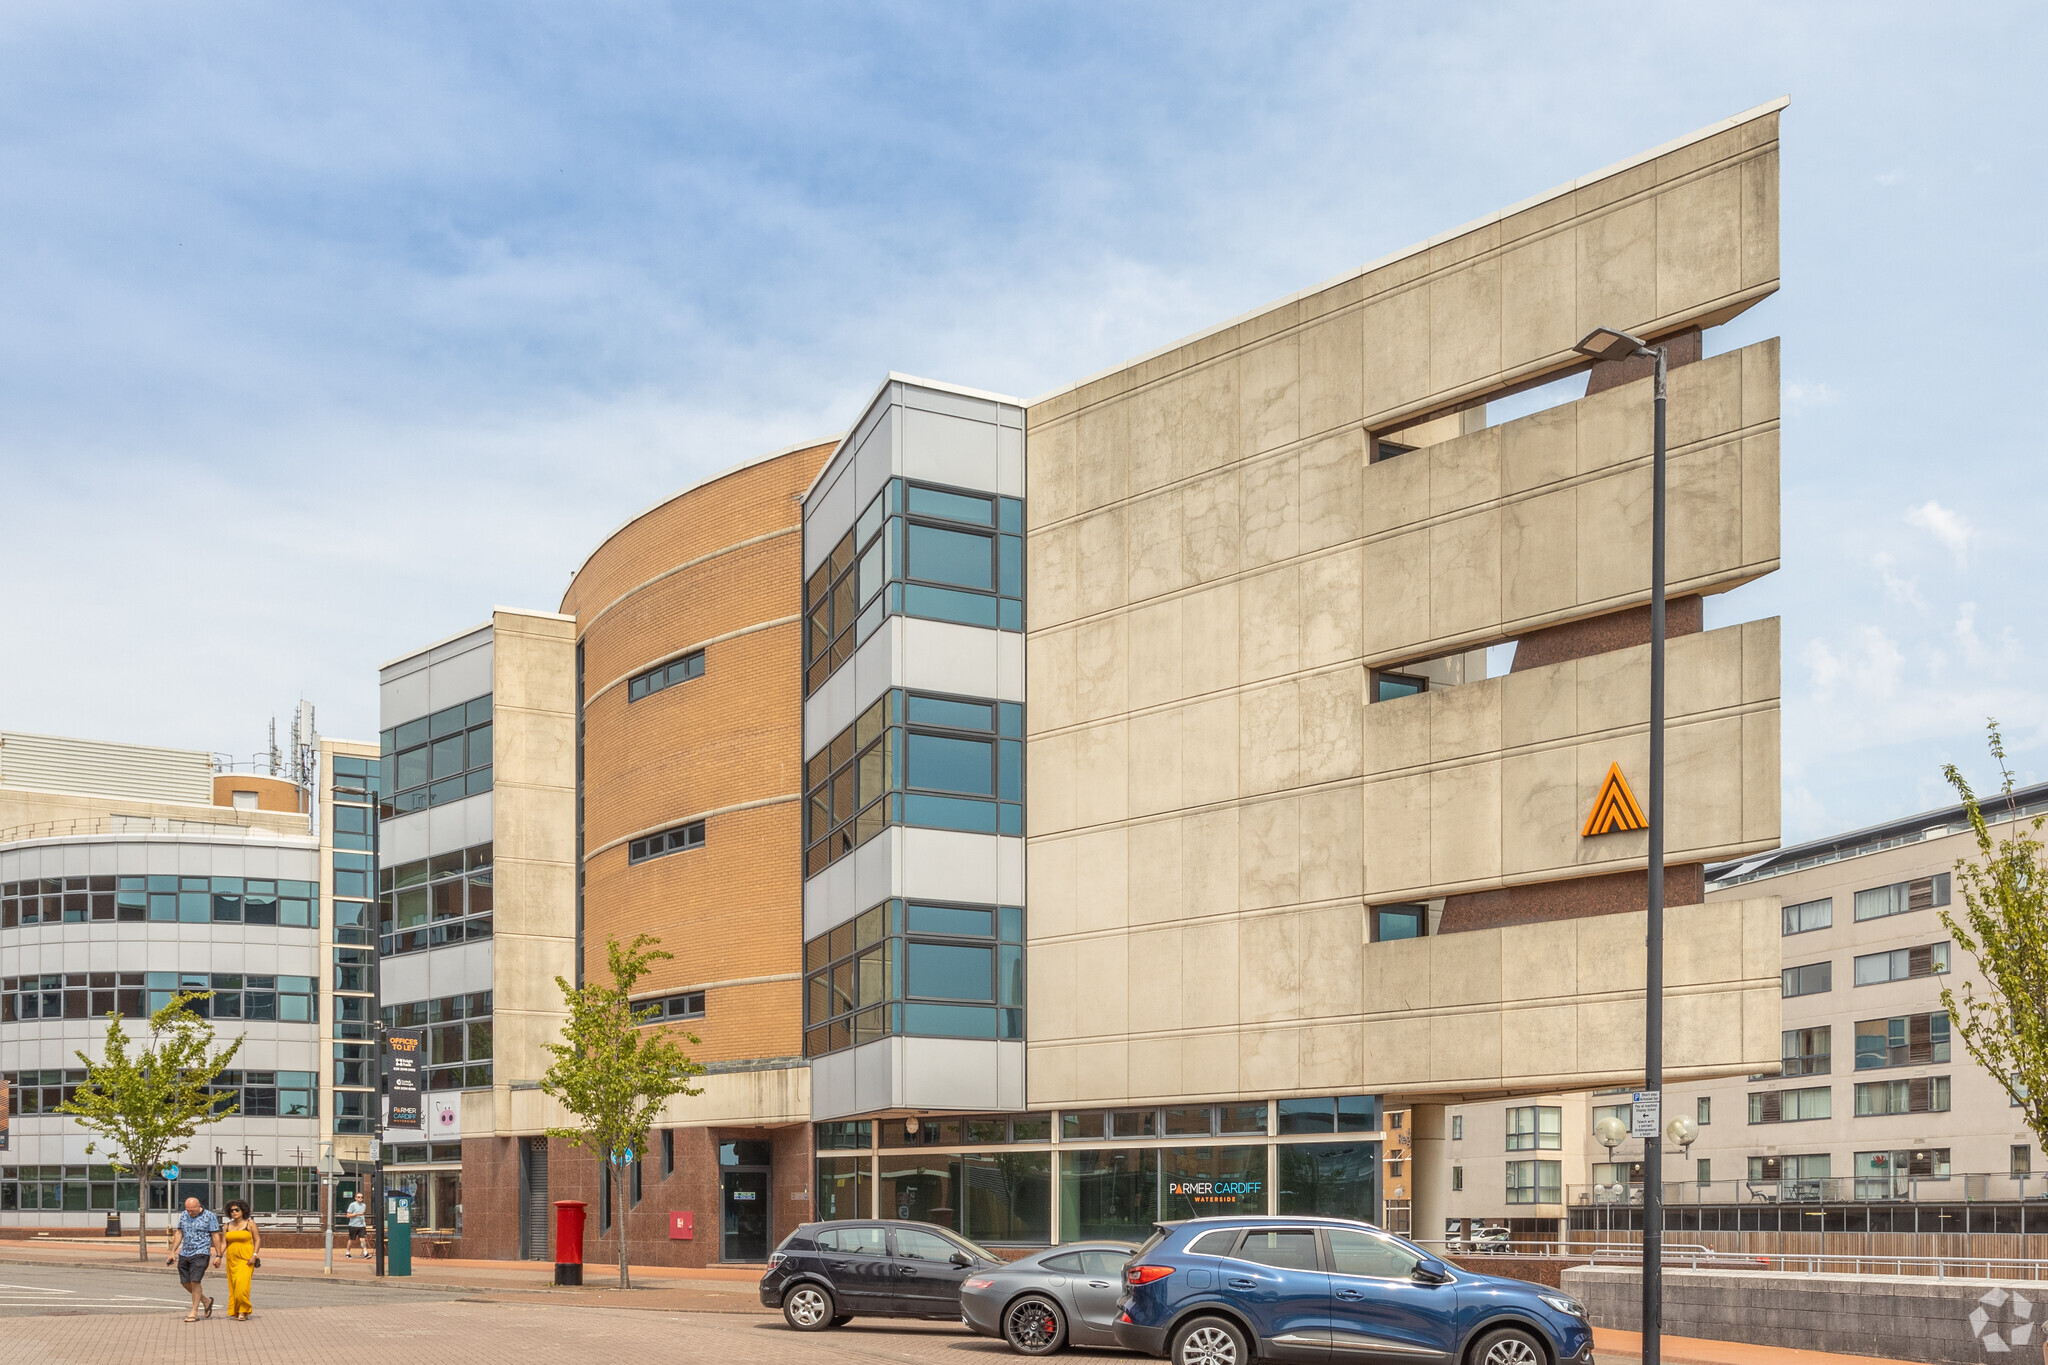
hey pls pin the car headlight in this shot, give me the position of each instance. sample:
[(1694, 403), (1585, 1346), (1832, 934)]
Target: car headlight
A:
[(1569, 1306)]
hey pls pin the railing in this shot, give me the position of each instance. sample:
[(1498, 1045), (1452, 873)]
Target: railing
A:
[(1699, 1256), (134, 824), (1971, 1187)]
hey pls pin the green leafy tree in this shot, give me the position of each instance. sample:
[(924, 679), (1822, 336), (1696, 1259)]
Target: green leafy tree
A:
[(144, 1104), (2004, 925), (613, 1073)]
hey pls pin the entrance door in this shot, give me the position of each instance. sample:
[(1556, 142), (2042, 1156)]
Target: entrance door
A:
[(743, 1235), (533, 1212)]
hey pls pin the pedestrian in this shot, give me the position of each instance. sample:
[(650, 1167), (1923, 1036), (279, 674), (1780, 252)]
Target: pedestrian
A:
[(356, 1229), (194, 1240), (243, 1244)]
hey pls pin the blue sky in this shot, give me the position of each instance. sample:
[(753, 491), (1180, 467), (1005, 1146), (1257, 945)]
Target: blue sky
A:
[(324, 331)]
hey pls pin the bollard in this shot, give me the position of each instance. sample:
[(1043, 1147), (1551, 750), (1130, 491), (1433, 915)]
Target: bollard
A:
[(569, 1241)]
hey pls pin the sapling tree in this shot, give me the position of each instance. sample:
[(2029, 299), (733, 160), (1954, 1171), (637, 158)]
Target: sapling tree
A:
[(145, 1103), (2004, 925), (613, 1072)]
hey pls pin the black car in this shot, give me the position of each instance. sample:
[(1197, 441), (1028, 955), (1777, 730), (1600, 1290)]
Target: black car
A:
[(825, 1273)]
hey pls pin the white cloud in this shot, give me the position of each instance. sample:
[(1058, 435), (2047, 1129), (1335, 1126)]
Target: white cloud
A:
[(1949, 527), (1801, 394), (1900, 590)]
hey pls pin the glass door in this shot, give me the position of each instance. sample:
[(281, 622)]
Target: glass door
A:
[(743, 1235)]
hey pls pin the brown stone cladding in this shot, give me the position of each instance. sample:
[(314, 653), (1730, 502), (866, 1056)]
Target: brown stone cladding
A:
[(1574, 898), (719, 568), (1599, 634)]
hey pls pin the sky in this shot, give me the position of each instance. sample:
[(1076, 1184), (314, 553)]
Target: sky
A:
[(324, 330)]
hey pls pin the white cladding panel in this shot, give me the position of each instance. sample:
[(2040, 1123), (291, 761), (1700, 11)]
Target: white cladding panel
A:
[(91, 767)]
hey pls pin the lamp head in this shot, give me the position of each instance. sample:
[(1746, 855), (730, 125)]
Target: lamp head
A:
[(1605, 343), (1611, 1132), (1681, 1131)]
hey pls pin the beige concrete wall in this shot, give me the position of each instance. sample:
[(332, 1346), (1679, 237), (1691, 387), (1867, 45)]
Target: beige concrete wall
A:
[(1214, 566), (39, 815), (736, 1098), (534, 818), (1489, 784)]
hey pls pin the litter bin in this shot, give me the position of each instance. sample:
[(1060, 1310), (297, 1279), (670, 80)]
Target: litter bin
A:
[(398, 1234), (113, 1225), (569, 1241)]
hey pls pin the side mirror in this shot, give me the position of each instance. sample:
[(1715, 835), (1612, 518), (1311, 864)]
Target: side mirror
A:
[(1429, 1270), (961, 1258)]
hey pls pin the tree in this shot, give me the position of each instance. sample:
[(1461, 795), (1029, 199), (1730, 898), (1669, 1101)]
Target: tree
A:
[(146, 1105), (2005, 927), (613, 1073)]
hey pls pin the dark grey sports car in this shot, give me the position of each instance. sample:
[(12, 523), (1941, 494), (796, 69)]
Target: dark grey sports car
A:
[(1063, 1296)]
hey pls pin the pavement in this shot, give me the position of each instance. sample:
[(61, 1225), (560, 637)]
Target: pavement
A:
[(91, 1303)]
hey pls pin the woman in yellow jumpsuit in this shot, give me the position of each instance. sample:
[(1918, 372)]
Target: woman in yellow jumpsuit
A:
[(241, 1243)]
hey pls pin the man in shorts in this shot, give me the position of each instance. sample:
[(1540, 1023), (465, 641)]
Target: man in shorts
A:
[(194, 1240), (356, 1230)]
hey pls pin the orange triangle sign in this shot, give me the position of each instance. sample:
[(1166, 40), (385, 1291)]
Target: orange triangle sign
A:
[(1615, 809)]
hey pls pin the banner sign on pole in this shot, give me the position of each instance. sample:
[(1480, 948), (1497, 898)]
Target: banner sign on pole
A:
[(406, 1051)]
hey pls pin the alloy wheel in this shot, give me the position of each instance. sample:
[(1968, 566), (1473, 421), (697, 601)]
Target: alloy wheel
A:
[(1512, 1350), (1032, 1328), (807, 1309), (1210, 1345)]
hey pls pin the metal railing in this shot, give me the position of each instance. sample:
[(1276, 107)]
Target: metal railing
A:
[(1963, 1187), (137, 824), (1699, 1256)]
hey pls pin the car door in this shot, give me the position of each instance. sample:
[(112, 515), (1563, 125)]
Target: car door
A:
[(1098, 1288), (857, 1262), (926, 1280), (1379, 1311), (1275, 1277)]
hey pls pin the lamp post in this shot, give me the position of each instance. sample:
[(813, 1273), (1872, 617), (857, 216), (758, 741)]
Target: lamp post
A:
[(1610, 1132), (1681, 1133), (1607, 343)]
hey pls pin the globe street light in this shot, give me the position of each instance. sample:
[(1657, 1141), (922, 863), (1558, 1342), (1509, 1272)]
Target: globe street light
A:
[(1611, 343), (1610, 1132)]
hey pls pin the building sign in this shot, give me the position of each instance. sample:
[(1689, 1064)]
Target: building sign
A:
[(405, 1049), (1614, 810), (1199, 1198), (444, 1117), (1646, 1113)]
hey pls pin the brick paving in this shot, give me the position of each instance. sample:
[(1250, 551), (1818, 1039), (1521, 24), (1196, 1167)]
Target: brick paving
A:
[(469, 1333)]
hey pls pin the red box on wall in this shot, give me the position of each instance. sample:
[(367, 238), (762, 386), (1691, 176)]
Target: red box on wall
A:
[(682, 1227)]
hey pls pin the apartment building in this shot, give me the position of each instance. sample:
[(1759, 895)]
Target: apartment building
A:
[(1873, 1110)]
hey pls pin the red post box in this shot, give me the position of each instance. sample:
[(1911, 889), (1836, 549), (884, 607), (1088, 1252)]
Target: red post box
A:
[(569, 1241)]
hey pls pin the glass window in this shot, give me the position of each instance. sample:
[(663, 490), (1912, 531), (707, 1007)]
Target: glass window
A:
[(1398, 921), (1881, 901), (846, 1190), (1389, 686), (1535, 1127), (1202, 1182), (950, 763), (1815, 978), (1331, 1180), (913, 1244), (1809, 915), (1361, 1253), (1283, 1248), (951, 971), (960, 558), (1535, 1182), (1109, 1195), (1308, 1116), (937, 502)]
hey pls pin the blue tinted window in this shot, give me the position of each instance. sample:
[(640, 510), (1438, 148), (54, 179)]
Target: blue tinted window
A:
[(951, 971), (961, 558), (949, 1021), (933, 502), (951, 764), (950, 919), (959, 715), (961, 608)]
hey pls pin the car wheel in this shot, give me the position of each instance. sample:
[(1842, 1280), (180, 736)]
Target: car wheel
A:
[(808, 1308), (1034, 1326), (1508, 1346), (1210, 1341)]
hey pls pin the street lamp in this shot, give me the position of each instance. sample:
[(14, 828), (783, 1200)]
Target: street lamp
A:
[(1609, 343), (1610, 1132)]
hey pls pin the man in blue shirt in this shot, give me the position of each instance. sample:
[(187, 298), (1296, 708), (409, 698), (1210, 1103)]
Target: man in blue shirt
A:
[(194, 1239)]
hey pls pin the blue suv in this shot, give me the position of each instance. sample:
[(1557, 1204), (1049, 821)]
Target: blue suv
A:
[(1229, 1291)]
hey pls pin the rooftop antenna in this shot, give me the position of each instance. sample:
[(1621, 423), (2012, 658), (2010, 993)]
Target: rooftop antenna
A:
[(274, 755)]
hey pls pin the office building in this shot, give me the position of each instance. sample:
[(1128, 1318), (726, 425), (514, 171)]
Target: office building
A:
[(1114, 805), (128, 874)]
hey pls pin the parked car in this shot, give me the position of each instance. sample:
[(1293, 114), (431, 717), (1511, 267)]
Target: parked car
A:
[(1062, 1296), (1227, 1291), (826, 1273)]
